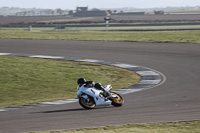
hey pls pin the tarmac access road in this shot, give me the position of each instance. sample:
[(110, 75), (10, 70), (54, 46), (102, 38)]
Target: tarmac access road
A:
[(176, 100)]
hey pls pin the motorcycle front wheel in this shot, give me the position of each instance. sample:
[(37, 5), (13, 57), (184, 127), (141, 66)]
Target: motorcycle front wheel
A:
[(87, 103), (117, 100)]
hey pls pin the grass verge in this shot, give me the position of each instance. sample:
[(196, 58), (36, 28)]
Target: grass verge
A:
[(191, 36), (173, 127), (26, 80)]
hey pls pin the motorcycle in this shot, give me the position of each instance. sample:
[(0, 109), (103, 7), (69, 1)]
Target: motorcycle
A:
[(89, 97)]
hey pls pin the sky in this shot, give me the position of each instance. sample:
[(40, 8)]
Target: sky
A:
[(72, 4)]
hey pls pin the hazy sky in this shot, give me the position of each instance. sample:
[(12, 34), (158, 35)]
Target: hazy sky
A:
[(72, 4)]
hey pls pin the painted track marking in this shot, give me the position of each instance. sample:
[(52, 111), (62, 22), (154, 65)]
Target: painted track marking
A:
[(150, 78)]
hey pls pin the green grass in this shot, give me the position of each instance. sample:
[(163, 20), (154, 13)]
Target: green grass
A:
[(119, 28), (154, 36), (184, 12), (26, 80), (174, 127)]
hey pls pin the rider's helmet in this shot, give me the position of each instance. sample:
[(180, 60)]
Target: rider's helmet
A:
[(98, 86), (81, 81)]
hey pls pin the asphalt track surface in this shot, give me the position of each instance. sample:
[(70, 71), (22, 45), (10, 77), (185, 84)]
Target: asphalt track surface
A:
[(177, 99)]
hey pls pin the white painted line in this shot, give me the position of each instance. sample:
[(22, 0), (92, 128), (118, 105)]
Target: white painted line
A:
[(89, 60), (5, 53), (72, 100), (1, 110), (47, 57), (150, 81), (126, 91), (60, 102), (122, 91), (51, 103), (123, 65), (147, 73)]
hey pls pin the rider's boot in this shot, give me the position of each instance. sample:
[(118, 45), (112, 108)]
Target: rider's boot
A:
[(108, 95)]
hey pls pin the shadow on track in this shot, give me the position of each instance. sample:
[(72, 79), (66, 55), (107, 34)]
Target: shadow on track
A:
[(64, 110), (72, 110)]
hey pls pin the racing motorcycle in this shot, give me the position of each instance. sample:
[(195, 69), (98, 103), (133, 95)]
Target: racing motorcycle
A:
[(89, 97)]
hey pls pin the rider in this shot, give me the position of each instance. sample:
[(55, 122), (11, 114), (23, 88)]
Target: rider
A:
[(98, 86)]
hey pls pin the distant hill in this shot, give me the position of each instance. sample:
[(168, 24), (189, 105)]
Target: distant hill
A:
[(132, 9), (15, 11)]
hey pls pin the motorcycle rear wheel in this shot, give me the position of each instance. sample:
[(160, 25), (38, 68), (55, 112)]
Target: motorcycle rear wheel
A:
[(117, 100), (87, 103)]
